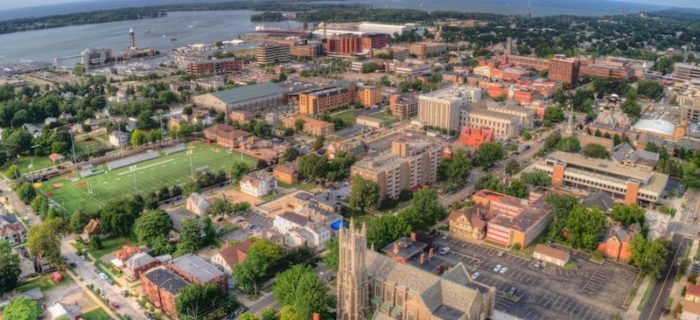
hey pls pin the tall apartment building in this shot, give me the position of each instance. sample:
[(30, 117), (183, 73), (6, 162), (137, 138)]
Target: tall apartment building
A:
[(564, 70), (375, 40), (686, 71), (403, 106), (220, 66), (369, 95), (271, 53), (628, 184), (503, 125), (319, 100), (306, 50), (599, 70), (442, 108), (346, 44), (410, 163), (96, 57)]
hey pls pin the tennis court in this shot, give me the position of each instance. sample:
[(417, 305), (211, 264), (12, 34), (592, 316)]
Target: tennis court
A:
[(93, 192)]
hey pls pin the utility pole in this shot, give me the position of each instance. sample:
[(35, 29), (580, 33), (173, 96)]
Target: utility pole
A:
[(133, 170), (189, 153)]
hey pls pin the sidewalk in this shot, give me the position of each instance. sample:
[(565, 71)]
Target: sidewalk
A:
[(632, 312)]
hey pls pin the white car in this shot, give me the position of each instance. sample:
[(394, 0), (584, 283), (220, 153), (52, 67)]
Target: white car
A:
[(475, 275), (504, 270), (444, 250), (497, 268), (103, 276)]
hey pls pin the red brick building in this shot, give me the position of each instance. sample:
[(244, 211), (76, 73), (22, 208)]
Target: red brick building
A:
[(375, 40), (221, 66), (161, 286), (346, 45), (474, 137), (225, 135), (564, 70), (195, 270), (618, 242)]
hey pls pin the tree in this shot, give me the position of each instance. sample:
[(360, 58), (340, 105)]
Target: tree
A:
[(9, 268), (517, 189), (190, 236), (238, 170), (248, 316), (649, 257), (332, 256), (263, 258), (220, 207), (301, 288), (595, 150), (196, 300), (44, 240), (289, 313), (118, 217), (488, 154), (569, 144), (313, 167), (299, 124), (152, 226), (18, 142), (512, 167), (628, 214), (363, 193), (650, 89), (25, 191), (457, 169), (318, 143), (13, 172), (553, 115), (384, 81), (425, 201), (138, 137), (78, 220), (22, 308), (384, 230), (631, 107), (583, 227), (290, 154), (537, 178), (269, 314)]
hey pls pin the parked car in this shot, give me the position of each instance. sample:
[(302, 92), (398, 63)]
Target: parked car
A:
[(504, 270), (72, 265), (501, 253), (114, 305), (497, 268), (512, 291), (538, 264), (444, 250), (475, 275), (103, 276), (125, 293)]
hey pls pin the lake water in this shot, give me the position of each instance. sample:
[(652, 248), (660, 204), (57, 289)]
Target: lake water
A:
[(186, 27), (212, 26)]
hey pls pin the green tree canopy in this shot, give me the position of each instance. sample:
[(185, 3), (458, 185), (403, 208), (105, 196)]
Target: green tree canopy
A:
[(457, 169), (363, 193), (9, 268), (196, 300), (595, 150), (190, 236), (44, 240), (628, 214), (649, 257), (152, 227), (301, 288), (22, 308), (488, 154)]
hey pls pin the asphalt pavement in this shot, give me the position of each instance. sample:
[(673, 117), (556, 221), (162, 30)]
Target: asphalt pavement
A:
[(662, 288)]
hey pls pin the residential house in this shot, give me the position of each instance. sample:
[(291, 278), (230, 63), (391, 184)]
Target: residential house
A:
[(127, 252), (139, 263), (625, 155), (469, 223), (11, 230), (118, 139), (298, 230), (161, 286), (617, 243), (197, 204), (92, 228), (692, 293), (231, 255), (57, 158), (285, 173), (258, 184), (691, 310)]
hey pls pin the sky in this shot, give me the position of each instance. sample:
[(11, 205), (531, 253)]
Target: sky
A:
[(11, 4)]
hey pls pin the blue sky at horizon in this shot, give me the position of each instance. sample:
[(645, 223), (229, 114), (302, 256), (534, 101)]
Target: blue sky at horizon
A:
[(12, 4)]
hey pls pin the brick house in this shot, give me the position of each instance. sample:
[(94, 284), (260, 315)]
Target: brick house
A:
[(11, 230), (468, 223), (197, 204), (692, 293), (285, 174), (474, 137), (617, 243), (161, 286), (92, 228), (127, 252), (225, 135)]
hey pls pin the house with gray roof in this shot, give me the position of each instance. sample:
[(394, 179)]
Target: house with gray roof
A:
[(625, 155)]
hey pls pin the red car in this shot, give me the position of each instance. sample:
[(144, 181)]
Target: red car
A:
[(114, 305)]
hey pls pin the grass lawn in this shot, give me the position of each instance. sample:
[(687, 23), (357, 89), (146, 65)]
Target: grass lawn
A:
[(90, 146), (387, 118), (44, 283), (111, 244), (96, 314), (348, 116), (36, 163), (298, 186), (165, 171)]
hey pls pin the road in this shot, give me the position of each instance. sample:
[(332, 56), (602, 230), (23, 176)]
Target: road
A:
[(112, 293), (662, 289)]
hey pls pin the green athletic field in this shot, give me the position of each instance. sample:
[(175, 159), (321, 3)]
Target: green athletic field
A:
[(151, 175)]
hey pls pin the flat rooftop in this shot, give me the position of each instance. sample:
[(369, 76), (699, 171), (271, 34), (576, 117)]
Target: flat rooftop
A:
[(197, 268), (492, 114), (249, 93), (601, 165)]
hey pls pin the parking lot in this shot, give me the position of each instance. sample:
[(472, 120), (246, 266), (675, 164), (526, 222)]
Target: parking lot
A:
[(589, 292)]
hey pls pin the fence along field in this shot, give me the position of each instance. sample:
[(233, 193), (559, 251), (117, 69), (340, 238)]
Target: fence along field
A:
[(69, 192)]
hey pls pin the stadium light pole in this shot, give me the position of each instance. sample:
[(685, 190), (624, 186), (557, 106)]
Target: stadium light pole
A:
[(133, 170)]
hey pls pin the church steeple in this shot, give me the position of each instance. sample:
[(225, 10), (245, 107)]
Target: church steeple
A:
[(352, 282)]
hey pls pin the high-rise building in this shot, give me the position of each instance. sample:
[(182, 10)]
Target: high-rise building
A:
[(375, 40), (409, 164), (96, 57), (272, 53), (369, 95), (441, 108), (564, 70), (403, 106), (686, 71), (346, 44)]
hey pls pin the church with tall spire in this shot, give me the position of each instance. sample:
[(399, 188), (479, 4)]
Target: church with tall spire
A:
[(370, 283)]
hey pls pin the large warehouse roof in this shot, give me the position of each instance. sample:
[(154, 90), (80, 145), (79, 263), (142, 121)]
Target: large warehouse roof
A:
[(248, 93), (655, 126)]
